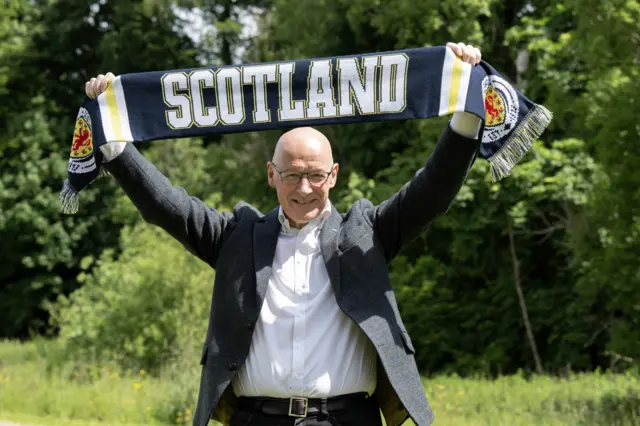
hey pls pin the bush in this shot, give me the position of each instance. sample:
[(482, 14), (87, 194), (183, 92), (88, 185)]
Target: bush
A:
[(141, 310), (178, 400)]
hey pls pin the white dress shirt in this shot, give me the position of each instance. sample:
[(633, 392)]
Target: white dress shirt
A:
[(303, 344)]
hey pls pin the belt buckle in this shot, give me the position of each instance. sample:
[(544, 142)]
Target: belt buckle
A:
[(306, 406)]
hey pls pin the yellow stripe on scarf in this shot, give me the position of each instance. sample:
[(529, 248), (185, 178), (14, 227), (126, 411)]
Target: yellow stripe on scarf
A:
[(112, 103), (456, 77)]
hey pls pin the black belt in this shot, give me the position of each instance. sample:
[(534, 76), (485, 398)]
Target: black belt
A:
[(300, 407)]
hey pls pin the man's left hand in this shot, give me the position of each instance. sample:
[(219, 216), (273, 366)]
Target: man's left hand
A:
[(466, 52)]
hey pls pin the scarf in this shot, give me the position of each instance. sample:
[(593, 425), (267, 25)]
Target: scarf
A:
[(397, 85)]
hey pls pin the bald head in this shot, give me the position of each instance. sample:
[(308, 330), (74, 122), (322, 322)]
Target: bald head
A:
[(303, 144), (299, 152)]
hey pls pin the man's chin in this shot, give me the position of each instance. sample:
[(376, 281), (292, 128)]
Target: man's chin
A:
[(304, 213)]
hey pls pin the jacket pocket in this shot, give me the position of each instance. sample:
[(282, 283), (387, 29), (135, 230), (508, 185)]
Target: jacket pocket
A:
[(205, 351), (408, 345)]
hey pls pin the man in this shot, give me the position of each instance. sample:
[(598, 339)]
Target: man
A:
[(304, 327)]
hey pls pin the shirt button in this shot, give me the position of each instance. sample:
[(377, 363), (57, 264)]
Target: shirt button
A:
[(233, 366), (249, 326)]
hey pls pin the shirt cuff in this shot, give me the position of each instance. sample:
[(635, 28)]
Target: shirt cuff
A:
[(112, 150), (466, 124)]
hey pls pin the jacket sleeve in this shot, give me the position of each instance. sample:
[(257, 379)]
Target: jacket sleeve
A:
[(401, 218), (200, 229)]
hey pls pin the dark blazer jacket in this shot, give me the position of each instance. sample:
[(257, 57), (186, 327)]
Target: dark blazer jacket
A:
[(357, 247)]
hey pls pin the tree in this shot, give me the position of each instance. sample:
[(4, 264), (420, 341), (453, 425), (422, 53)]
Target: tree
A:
[(609, 253), (39, 96), (455, 295), (585, 62)]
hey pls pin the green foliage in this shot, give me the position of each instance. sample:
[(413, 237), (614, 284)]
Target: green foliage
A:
[(110, 397), (39, 247), (605, 37), (572, 204), (226, 36), (458, 294), (49, 50), (141, 310), (95, 393)]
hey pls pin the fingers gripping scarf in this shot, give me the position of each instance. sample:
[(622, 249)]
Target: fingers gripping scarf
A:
[(398, 85)]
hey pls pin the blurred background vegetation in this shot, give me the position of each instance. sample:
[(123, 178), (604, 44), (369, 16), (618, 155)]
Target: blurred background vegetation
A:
[(106, 289)]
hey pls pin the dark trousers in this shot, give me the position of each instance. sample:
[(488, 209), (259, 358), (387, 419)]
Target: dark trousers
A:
[(365, 413)]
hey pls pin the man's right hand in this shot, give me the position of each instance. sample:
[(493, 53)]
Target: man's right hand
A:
[(93, 88), (97, 85)]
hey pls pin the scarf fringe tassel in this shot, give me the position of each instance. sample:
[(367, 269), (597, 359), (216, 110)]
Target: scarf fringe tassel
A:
[(69, 196), (519, 142)]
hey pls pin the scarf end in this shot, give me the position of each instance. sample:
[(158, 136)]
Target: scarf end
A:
[(69, 196), (520, 142)]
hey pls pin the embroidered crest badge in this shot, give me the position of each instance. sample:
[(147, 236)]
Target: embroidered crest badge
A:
[(501, 108), (82, 160)]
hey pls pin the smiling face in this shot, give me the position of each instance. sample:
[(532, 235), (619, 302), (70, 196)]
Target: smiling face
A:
[(302, 150)]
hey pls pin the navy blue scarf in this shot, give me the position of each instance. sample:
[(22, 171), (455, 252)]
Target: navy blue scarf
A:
[(399, 85)]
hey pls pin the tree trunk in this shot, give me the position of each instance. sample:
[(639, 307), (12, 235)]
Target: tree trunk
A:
[(226, 53), (523, 304)]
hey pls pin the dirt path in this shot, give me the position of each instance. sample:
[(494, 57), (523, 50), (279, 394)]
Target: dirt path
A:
[(3, 423)]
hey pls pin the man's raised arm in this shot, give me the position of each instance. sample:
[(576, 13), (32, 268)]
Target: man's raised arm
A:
[(199, 228), (404, 215)]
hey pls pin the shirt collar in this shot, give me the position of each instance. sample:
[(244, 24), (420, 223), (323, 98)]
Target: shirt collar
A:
[(318, 221)]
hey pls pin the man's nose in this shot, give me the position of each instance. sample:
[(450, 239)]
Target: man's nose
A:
[(304, 187)]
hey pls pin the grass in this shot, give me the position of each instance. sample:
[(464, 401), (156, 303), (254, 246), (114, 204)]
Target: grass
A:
[(582, 399), (26, 419), (38, 388), (34, 381)]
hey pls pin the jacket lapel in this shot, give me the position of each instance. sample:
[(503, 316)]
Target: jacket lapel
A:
[(265, 240), (329, 247)]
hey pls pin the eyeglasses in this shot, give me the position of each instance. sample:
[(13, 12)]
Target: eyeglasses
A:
[(316, 177)]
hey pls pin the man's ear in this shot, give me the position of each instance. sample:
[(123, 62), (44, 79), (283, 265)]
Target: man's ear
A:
[(270, 175), (333, 177)]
